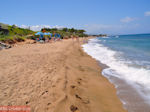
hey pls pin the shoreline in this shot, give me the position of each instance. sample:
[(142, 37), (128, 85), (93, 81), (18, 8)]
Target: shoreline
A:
[(55, 77), (128, 94)]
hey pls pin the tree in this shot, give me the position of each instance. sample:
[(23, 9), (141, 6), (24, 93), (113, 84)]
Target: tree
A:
[(65, 29), (72, 30), (14, 26), (81, 31)]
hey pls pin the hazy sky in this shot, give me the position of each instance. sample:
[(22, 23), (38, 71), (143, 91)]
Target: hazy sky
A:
[(95, 16)]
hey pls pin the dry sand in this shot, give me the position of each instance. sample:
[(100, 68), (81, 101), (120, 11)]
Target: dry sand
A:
[(55, 77)]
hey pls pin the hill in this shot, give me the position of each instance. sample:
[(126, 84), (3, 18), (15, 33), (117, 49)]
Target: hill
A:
[(12, 33)]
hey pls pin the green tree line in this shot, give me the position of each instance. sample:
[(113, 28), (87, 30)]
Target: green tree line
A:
[(67, 32)]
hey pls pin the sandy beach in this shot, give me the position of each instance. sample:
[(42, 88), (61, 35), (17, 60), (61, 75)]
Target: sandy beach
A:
[(55, 77)]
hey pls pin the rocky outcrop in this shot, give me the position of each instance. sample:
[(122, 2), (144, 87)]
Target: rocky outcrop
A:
[(4, 46)]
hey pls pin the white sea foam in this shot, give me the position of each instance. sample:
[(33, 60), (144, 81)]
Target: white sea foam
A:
[(119, 68), (104, 37)]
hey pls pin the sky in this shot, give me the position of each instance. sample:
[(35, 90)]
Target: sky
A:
[(95, 16)]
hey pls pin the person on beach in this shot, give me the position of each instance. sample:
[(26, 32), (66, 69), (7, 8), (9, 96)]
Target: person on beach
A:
[(57, 37), (85, 40), (41, 37), (74, 37), (50, 38), (77, 39), (53, 37)]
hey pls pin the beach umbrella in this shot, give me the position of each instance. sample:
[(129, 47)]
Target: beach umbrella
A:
[(49, 34), (57, 35), (39, 33), (45, 33)]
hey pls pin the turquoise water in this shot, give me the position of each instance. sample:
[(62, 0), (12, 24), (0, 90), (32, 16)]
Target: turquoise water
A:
[(135, 49)]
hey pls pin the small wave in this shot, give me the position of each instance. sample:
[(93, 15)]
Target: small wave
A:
[(117, 36), (104, 37)]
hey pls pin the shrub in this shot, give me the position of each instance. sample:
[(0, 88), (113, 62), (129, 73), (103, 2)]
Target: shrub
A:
[(19, 38)]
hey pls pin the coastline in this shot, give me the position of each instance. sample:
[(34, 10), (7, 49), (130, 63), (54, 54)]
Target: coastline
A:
[(56, 77), (128, 93)]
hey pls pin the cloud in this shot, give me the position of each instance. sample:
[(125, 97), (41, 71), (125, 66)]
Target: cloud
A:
[(102, 28), (127, 19), (110, 29), (39, 27), (147, 13)]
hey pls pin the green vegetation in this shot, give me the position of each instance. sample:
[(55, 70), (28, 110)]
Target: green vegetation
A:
[(66, 32), (13, 33)]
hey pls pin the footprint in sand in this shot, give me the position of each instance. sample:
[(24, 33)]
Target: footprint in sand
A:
[(85, 101), (82, 82), (53, 86), (44, 92), (48, 103), (77, 96), (72, 86), (73, 108), (27, 102), (79, 81)]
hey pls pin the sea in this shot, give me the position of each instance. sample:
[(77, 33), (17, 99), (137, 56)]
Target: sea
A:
[(127, 66)]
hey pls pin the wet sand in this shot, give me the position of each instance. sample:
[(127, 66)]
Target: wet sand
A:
[(55, 77), (132, 100)]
